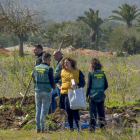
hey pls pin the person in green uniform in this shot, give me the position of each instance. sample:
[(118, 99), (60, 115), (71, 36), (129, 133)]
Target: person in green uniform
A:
[(97, 84), (44, 82)]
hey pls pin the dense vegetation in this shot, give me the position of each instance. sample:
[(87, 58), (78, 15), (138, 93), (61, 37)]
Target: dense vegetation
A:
[(88, 31), (122, 75), (90, 28)]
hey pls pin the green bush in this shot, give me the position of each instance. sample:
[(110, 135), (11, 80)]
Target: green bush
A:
[(125, 40), (3, 55), (29, 126), (49, 124), (119, 54)]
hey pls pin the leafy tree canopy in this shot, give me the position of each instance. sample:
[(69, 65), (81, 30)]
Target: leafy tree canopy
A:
[(127, 14)]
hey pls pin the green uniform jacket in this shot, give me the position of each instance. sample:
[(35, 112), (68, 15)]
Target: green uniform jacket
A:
[(42, 78), (58, 68), (98, 80)]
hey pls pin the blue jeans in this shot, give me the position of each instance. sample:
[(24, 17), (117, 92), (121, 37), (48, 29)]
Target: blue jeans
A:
[(43, 101), (55, 93)]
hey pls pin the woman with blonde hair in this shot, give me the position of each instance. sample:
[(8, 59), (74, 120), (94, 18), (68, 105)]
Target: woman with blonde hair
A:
[(68, 72), (97, 84)]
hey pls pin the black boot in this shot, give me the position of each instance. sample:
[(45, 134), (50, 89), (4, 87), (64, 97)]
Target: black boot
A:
[(72, 129), (92, 130)]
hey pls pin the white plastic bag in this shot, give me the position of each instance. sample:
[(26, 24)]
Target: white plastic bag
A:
[(77, 98)]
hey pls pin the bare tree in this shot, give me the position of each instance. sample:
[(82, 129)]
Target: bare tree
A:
[(18, 20)]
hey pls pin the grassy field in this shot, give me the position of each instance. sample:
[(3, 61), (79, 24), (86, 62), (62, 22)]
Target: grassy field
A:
[(110, 134), (124, 90), (63, 135), (122, 74)]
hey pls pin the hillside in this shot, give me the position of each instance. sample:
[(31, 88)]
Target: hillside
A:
[(64, 10)]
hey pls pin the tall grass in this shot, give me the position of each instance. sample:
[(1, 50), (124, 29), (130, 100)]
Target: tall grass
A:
[(122, 75)]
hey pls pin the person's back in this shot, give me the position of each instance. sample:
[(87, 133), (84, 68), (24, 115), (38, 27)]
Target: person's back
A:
[(98, 81), (44, 82), (97, 84), (41, 80)]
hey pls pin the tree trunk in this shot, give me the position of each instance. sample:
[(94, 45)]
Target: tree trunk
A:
[(92, 39), (21, 53), (60, 45), (129, 24), (96, 41), (92, 45)]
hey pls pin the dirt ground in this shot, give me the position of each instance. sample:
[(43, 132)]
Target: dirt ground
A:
[(67, 50), (5, 51), (11, 116), (88, 52)]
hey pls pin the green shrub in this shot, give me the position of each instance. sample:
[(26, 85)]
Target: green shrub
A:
[(3, 55), (29, 126), (119, 54), (49, 124), (17, 104), (125, 39)]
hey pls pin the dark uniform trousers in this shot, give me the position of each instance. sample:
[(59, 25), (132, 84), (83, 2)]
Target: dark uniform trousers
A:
[(94, 109), (71, 114)]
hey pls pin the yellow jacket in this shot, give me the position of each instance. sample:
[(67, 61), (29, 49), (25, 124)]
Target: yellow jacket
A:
[(66, 77)]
